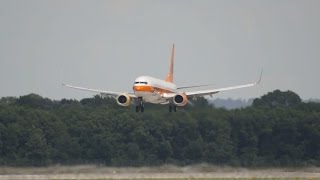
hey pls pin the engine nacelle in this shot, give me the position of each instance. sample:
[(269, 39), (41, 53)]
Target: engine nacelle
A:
[(124, 100), (180, 99)]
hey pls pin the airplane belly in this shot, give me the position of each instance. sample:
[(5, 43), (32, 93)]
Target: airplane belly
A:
[(149, 97)]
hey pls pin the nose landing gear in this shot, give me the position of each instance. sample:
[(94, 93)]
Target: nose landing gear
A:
[(140, 106)]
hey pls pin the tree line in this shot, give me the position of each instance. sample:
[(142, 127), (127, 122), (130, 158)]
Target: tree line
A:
[(277, 130)]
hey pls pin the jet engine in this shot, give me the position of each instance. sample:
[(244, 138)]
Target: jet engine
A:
[(180, 99), (124, 100)]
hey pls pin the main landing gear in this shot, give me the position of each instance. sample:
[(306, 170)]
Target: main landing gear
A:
[(140, 106), (172, 108)]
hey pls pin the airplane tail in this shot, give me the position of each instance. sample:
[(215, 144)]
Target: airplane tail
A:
[(169, 77)]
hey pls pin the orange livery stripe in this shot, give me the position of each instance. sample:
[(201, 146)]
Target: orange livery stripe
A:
[(150, 89), (143, 88)]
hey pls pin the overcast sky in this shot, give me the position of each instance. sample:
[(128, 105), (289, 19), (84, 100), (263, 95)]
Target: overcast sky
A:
[(106, 44)]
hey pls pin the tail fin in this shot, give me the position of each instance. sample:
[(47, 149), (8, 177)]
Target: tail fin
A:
[(169, 77)]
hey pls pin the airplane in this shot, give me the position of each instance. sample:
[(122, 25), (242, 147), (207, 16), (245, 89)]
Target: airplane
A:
[(148, 89)]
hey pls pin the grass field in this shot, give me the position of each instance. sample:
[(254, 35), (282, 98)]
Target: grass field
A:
[(201, 172)]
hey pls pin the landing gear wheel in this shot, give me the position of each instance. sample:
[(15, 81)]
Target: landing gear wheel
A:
[(172, 108), (140, 106)]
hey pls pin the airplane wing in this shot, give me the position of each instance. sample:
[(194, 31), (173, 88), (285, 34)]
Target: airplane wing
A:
[(215, 91), (102, 92), (188, 87), (208, 92)]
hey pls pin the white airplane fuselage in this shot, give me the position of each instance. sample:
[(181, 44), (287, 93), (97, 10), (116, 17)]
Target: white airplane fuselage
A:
[(151, 89)]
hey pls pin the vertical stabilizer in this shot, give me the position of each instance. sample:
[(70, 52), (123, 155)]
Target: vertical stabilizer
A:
[(169, 77)]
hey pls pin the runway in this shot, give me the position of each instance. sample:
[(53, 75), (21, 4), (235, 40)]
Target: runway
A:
[(84, 176), (91, 172)]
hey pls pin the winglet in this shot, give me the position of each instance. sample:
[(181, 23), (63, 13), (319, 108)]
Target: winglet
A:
[(258, 82), (169, 77)]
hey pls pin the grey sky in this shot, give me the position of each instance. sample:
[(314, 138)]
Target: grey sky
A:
[(107, 44)]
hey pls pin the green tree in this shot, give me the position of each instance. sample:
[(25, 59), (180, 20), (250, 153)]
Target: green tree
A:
[(278, 129), (36, 147), (278, 98)]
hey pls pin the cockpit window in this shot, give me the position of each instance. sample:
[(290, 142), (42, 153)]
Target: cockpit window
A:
[(141, 82)]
